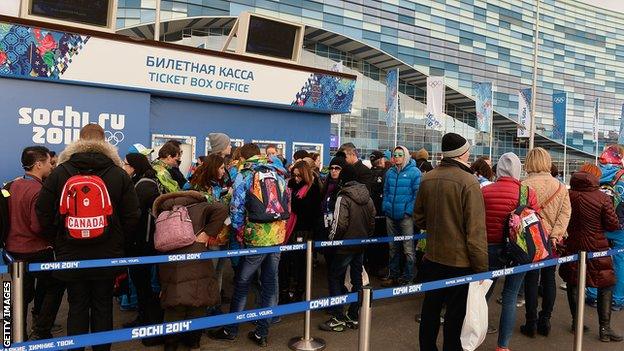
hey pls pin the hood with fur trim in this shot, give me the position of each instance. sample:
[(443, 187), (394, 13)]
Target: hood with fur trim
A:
[(167, 201), (91, 146)]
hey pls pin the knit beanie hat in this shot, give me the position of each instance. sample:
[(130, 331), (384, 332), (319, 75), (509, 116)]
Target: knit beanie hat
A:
[(375, 155), (454, 145), (338, 161), (218, 142), (348, 173), (421, 154), (299, 154), (509, 166)]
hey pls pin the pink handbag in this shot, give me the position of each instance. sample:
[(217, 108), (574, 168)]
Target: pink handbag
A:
[(174, 230)]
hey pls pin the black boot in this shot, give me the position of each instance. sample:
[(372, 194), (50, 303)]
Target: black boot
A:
[(604, 316), (543, 326), (529, 329)]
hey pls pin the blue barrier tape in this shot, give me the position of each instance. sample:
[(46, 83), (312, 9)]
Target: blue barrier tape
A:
[(445, 283), (611, 252), (384, 239), (128, 334), (129, 261)]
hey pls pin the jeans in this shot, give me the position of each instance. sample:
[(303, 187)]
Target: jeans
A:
[(547, 276), (403, 226), (336, 276), (511, 288), (247, 267), (455, 300), (90, 305)]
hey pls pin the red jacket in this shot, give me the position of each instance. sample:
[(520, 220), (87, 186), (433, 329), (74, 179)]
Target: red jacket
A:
[(592, 215), (24, 231), (500, 199)]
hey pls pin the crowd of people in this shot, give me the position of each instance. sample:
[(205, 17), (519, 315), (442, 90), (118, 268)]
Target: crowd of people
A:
[(250, 197)]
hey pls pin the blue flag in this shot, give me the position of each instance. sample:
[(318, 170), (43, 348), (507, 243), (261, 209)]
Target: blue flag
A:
[(483, 105), (560, 102), (392, 96)]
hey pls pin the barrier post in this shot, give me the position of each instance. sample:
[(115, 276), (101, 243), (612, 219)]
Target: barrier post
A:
[(365, 319), (307, 343), (580, 303), (18, 271)]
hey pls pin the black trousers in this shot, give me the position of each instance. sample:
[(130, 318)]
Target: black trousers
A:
[(376, 255), (454, 298), (549, 293), (178, 313), (149, 308), (37, 285), (90, 308)]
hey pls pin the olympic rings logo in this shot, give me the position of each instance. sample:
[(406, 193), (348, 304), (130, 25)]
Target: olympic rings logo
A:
[(114, 138), (434, 83), (559, 100)]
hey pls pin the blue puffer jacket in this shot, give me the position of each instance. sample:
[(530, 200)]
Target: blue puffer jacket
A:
[(400, 190)]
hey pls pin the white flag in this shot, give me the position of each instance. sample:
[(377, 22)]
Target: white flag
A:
[(524, 113), (436, 93)]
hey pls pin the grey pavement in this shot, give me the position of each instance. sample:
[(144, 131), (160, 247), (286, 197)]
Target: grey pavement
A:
[(394, 326)]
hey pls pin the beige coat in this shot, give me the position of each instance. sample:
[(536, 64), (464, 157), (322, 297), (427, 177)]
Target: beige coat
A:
[(557, 213)]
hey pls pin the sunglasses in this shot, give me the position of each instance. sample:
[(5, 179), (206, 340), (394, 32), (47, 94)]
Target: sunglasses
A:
[(335, 168), (398, 154)]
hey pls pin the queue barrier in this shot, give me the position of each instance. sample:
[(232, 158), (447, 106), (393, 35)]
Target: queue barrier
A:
[(208, 255), (129, 334)]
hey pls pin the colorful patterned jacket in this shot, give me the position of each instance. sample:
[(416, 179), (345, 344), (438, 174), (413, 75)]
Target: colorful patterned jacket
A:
[(255, 234), (164, 177)]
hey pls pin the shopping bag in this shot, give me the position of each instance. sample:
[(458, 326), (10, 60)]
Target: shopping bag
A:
[(475, 324), (347, 282)]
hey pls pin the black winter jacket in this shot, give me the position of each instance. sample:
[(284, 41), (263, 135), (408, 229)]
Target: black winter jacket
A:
[(92, 157), (354, 217), (306, 209), (377, 188), (364, 175), (141, 243)]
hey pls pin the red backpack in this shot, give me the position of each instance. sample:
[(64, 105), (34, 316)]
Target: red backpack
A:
[(85, 206)]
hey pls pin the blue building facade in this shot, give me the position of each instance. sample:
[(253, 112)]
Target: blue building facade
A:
[(466, 41)]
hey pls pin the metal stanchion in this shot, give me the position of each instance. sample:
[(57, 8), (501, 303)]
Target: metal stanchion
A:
[(365, 319), (307, 343), (580, 303), (18, 271)]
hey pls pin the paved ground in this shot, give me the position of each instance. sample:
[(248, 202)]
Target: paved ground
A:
[(394, 327)]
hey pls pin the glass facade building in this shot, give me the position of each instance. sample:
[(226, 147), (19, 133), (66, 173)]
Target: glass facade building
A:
[(466, 41)]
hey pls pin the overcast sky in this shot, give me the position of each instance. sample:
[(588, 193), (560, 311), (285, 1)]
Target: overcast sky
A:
[(617, 5)]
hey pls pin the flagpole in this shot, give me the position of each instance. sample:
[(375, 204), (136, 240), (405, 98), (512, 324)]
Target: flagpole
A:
[(596, 109), (565, 141), (534, 90), (396, 111), (492, 123), (157, 22)]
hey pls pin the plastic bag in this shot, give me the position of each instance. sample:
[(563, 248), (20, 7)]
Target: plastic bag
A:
[(474, 329), (347, 282)]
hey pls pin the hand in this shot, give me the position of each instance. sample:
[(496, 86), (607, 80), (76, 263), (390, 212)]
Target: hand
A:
[(202, 238), (553, 242)]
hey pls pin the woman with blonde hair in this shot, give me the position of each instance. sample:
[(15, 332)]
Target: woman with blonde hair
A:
[(554, 207)]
